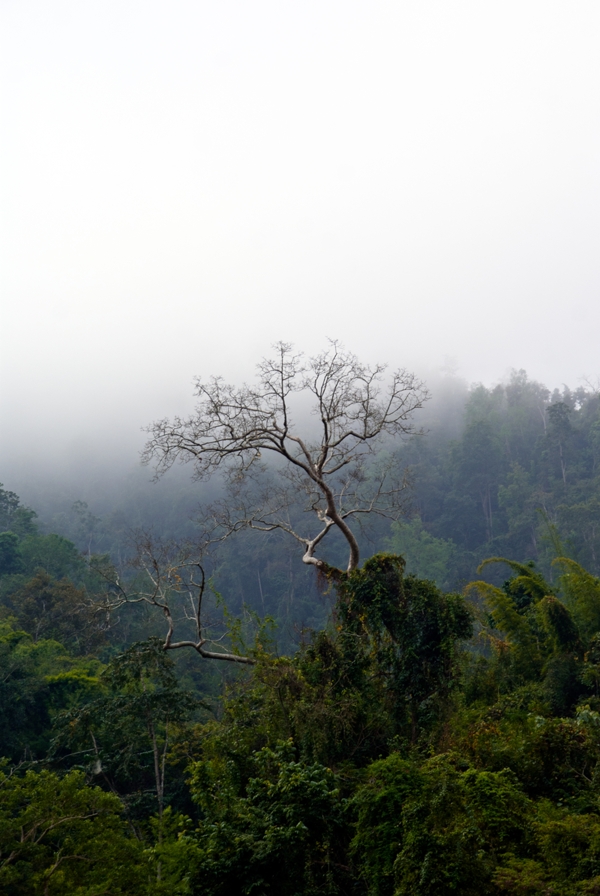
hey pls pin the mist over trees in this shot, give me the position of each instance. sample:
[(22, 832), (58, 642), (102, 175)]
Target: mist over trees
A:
[(419, 719), (353, 411)]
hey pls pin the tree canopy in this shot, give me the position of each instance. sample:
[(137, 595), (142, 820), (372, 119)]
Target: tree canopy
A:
[(431, 729)]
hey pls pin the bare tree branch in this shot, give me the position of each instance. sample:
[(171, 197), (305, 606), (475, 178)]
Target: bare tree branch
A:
[(166, 573), (233, 428)]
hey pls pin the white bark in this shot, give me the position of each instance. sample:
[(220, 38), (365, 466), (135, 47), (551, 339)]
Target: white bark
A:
[(235, 428)]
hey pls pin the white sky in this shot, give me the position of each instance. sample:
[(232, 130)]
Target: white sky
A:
[(184, 183)]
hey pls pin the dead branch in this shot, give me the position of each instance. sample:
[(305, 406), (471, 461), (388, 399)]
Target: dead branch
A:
[(329, 475), (171, 578)]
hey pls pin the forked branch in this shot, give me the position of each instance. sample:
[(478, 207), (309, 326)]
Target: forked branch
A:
[(174, 581), (237, 428)]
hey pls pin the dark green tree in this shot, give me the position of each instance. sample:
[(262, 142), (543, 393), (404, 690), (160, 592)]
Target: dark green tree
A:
[(49, 608), (123, 737), (11, 561), (59, 836), (14, 517)]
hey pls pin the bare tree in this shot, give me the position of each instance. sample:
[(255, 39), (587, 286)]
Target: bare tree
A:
[(333, 474), (170, 577)]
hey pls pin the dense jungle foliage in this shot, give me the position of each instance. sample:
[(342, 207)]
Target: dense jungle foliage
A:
[(428, 723)]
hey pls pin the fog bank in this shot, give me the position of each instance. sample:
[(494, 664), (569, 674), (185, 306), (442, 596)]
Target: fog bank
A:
[(186, 183)]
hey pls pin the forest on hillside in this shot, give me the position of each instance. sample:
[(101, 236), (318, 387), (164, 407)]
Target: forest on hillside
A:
[(424, 720)]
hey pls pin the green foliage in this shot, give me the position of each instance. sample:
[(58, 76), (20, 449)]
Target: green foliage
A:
[(386, 673), (455, 828), (54, 554), (59, 836), (38, 680), (548, 636), (412, 632), (11, 561), (174, 854), (47, 608), (122, 737), (554, 758), (582, 595), (13, 516), (440, 827), (385, 787), (45, 582), (390, 755), (426, 557), (526, 582), (276, 834), (518, 450), (436, 828)]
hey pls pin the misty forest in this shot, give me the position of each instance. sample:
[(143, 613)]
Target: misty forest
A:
[(338, 633)]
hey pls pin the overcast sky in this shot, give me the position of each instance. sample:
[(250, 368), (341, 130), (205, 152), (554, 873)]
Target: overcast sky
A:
[(183, 183)]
